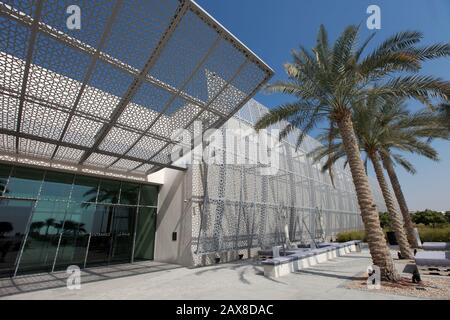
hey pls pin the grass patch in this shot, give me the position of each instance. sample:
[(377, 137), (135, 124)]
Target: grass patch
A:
[(437, 234), (427, 234), (351, 235)]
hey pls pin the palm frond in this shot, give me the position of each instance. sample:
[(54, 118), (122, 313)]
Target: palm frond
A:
[(408, 166), (399, 41), (361, 49), (433, 51), (343, 47), (287, 87), (276, 115), (322, 49), (414, 87)]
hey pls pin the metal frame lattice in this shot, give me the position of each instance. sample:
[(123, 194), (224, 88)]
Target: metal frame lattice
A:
[(106, 98)]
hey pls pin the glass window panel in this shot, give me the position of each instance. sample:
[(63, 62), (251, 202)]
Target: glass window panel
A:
[(4, 175), (145, 234), (100, 244), (85, 189), (109, 191), (25, 182), (14, 216), (75, 236), (112, 231), (129, 193), (123, 232), (88, 229), (149, 195), (43, 237), (56, 186)]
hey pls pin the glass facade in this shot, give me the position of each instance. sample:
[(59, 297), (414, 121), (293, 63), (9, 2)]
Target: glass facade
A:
[(50, 220)]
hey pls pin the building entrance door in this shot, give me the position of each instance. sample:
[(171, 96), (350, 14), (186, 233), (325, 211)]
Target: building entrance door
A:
[(112, 233)]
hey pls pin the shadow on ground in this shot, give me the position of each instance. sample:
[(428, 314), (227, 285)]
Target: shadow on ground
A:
[(43, 281), (329, 275), (241, 268)]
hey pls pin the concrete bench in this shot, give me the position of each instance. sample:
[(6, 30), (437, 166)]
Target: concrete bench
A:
[(280, 266), (272, 252), (436, 246), (328, 244), (433, 258), (283, 252)]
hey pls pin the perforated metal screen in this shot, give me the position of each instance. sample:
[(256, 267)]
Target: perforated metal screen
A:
[(237, 208), (107, 97)]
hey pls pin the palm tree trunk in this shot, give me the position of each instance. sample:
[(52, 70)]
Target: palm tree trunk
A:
[(378, 248), (396, 222), (409, 226)]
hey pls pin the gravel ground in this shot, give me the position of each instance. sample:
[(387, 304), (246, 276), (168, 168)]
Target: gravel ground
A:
[(432, 287)]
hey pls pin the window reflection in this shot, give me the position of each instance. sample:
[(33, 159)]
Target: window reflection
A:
[(146, 227), (85, 189), (57, 186), (129, 193), (122, 232), (14, 216), (66, 219), (24, 183), (43, 238), (111, 234), (75, 237), (149, 195), (108, 192)]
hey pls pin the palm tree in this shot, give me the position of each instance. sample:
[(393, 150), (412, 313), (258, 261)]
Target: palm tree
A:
[(100, 196), (426, 127), (49, 223), (37, 226), (5, 227), (381, 126), (444, 119), (432, 128), (74, 227), (328, 80)]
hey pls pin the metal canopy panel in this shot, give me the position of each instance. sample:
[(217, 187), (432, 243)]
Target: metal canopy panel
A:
[(105, 99)]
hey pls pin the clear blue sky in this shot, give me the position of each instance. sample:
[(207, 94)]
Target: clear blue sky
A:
[(272, 28)]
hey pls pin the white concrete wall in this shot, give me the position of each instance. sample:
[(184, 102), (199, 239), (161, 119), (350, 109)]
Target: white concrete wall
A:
[(174, 215)]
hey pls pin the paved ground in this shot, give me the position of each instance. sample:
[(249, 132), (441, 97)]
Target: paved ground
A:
[(37, 282), (241, 280)]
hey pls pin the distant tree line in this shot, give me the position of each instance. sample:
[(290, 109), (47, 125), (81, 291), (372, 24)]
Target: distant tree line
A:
[(431, 218), (426, 217)]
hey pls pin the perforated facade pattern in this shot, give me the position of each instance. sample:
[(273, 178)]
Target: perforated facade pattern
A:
[(236, 209), (108, 96)]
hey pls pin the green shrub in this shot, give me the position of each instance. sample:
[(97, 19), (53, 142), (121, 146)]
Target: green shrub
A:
[(385, 221), (429, 234), (447, 215), (351, 235), (429, 218)]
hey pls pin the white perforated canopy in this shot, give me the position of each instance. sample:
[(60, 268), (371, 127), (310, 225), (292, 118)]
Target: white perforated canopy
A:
[(106, 98)]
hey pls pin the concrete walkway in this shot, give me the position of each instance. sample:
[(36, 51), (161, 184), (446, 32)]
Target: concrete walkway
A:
[(241, 280)]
